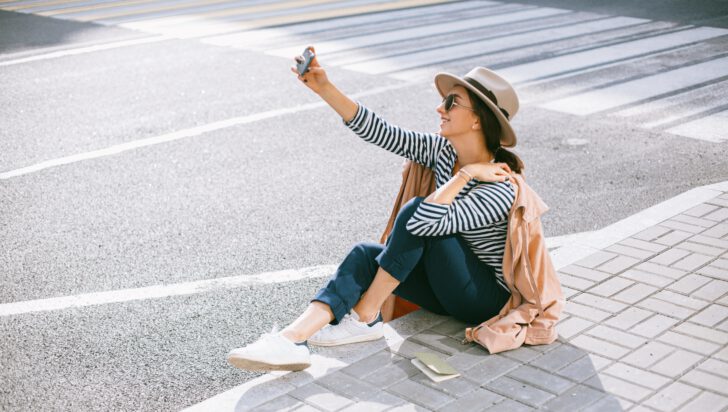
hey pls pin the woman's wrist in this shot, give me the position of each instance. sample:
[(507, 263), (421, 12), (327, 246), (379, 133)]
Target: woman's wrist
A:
[(465, 174)]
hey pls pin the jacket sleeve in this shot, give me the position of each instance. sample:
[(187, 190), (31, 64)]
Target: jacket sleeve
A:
[(484, 205), (422, 148)]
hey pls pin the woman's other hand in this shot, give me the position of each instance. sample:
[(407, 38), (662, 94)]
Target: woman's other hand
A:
[(315, 77), (489, 172)]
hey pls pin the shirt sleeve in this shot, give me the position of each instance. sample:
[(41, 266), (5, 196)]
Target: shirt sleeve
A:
[(486, 204), (422, 148)]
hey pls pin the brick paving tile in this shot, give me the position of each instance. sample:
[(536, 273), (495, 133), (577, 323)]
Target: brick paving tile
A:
[(689, 343), (682, 300), (393, 372), (676, 363), (703, 332), (519, 391), (596, 259), (694, 221), (559, 357), (689, 283), (618, 264), (348, 385), (646, 277), (639, 254), (608, 404), (453, 387), (661, 306), (712, 291), (705, 380), (281, 403), (652, 233), (574, 281), (493, 367), (628, 318), (672, 396), (705, 402), (584, 367), (585, 273), (595, 301), (682, 226), (587, 312), (616, 336), (524, 354), (714, 271), (611, 286), (381, 401), (541, 379), (669, 256), (692, 261), (710, 316), (618, 387), (420, 394), (661, 270), (572, 326), (700, 210), (701, 248), (654, 326), (509, 405), (650, 353), (718, 231), (715, 366), (642, 244), (600, 346), (576, 397), (711, 241), (718, 215), (476, 400), (673, 237), (440, 343), (320, 397), (636, 375)]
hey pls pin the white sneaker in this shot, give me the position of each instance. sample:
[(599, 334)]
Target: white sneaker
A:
[(271, 352), (349, 330)]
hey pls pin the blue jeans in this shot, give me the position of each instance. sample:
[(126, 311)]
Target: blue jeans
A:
[(439, 273)]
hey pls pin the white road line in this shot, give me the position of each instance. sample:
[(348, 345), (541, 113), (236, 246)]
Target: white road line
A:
[(602, 55), (348, 43), (189, 288), (633, 91), (486, 46), (185, 133), (161, 291), (713, 128), (262, 39), (87, 49)]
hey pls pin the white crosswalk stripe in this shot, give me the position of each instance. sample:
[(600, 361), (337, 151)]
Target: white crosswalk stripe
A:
[(559, 58)]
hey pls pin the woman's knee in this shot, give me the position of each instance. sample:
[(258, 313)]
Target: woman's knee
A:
[(408, 209)]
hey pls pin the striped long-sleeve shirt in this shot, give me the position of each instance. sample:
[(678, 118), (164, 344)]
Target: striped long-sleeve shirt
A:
[(479, 213)]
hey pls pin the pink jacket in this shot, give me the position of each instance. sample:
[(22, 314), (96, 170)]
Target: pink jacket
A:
[(531, 313)]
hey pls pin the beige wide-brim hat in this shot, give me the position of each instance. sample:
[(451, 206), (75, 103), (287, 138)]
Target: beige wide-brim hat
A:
[(494, 90)]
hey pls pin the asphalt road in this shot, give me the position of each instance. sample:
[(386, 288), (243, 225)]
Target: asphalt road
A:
[(289, 191)]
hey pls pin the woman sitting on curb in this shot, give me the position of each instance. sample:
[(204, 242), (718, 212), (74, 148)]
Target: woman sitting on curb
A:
[(445, 252)]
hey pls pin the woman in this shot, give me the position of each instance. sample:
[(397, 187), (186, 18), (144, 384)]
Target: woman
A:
[(444, 252)]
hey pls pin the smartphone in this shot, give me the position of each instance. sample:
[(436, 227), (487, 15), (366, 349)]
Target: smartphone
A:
[(302, 67)]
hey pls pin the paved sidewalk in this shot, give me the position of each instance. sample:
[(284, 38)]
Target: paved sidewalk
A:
[(645, 328)]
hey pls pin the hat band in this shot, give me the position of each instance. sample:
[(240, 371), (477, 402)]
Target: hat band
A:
[(487, 93)]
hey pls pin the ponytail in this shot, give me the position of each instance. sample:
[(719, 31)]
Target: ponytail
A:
[(492, 132)]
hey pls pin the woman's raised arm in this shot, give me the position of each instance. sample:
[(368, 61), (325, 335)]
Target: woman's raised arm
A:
[(315, 79)]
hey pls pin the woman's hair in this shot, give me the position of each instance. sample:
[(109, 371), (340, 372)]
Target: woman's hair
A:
[(492, 131)]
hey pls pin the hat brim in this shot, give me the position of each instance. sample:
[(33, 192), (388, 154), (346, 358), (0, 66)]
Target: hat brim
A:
[(446, 81)]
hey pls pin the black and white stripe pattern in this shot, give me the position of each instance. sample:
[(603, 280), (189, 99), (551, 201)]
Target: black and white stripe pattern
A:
[(479, 213)]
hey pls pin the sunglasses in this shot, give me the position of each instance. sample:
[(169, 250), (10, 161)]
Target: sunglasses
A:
[(449, 102)]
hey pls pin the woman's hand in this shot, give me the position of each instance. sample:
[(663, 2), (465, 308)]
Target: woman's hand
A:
[(315, 77), (489, 172)]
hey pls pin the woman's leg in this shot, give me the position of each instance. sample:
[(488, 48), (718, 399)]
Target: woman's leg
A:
[(465, 286), (368, 275)]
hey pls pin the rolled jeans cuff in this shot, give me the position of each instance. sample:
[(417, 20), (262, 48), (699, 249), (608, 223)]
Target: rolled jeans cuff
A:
[(335, 303), (393, 266)]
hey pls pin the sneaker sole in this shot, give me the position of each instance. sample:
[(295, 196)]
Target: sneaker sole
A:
[(345, 341), (253, 365)]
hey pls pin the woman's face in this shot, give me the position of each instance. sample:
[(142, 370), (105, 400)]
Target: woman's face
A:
[(459, 120)]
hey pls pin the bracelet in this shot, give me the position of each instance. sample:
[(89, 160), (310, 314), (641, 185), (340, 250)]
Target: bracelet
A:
[(469, 176)]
